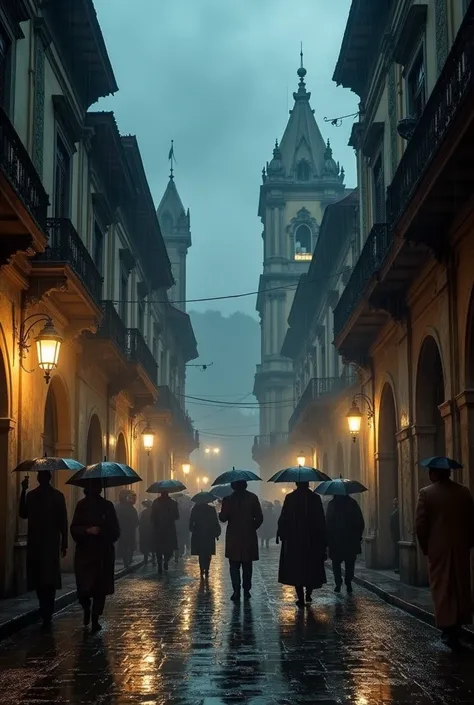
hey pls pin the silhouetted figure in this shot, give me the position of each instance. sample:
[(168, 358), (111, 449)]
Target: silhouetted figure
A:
[(302, 531), (182, 527), (45, 509), (164, 515), (127, 517), (445, 530), (269, 527), (95, 529), (345, 528), (205, 529), (276, 511), (395, 534), (243, 513), (145, 533)]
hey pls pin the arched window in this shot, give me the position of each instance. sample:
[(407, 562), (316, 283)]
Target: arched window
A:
[(303, 171), (303, 243)]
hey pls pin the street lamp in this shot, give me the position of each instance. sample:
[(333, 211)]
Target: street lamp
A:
[(207, 451), (205, 480), (216, 451), (148, 436), (186, 468), (354, 415), (301, 459), (48, 344)]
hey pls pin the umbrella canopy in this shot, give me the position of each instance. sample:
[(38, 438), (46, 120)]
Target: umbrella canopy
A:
[(203, 498), (166, 486), (235, 476), (440, 462), (221, 491), (301, 473), (48, 464), (340, 487), (110, 474)]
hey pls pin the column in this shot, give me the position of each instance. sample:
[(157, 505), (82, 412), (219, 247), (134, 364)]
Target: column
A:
[(465, 405), (276, 231), (406, 497)]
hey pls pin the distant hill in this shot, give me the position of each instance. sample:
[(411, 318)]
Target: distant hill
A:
[(232, 344)]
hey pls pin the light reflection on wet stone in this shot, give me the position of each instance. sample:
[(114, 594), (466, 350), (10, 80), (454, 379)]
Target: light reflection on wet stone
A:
[(176, 640)]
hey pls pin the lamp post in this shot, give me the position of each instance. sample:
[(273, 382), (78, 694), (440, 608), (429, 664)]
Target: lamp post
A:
[(148, 435), (354, 415), (48, 344)]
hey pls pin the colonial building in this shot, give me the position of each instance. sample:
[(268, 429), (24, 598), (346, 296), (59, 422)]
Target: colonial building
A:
[(297, 185), (84, 265), (323, 384), (405, 317)]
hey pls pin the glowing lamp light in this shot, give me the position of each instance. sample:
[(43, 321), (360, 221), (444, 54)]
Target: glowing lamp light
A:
[(186, 468), (207, 451), (48, 345), (301, 459), (354, 420), (148, 436), (205, 480), (216, 451)]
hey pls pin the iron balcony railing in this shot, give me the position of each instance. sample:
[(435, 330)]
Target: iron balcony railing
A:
[(270, 440), (65, 246), (373, 254), (167, 401), (317, 389), (16, 165), (139, 353), (112, 327)]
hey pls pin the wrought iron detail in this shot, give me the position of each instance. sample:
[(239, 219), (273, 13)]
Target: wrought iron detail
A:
[(38, 120), (139, 353), (441, 21), (112, 326), (318, 389), (167, 401)]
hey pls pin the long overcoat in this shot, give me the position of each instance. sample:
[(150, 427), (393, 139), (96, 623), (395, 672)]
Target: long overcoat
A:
[(145, 532), (164, 515), (445, 530), (45, 509), (243, 514), (345, 527), (205, 529), (94, 558), (269, 525), (302, 530), (127, 517), (182, 525)]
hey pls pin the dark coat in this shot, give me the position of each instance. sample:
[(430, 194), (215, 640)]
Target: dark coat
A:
[(164, 515), (269, 525), (127, 517), (145, 531), (345, 527), (205, 529), (45, 509), (243, 513), (302, 530), (94, 559), (182, 525)]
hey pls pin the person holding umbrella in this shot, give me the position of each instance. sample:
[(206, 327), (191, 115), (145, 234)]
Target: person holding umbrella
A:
[(164, 515), (128, 521), (444, 525), (205, 530), (345, 527)]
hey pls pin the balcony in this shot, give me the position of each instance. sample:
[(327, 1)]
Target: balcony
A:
[(167, 409), (23, 200), (262, 445), (143, 362), (109, 345), (66, 273), (315, 399), (433, 183)]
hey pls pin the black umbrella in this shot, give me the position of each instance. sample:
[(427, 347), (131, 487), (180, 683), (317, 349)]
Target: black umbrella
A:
[(166, 486), (109, 473), (235, 476), (221, 491), (46, 464), (203, 498), (440, 462)]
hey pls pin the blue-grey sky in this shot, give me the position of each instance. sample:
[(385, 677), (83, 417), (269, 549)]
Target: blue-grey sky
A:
[(217, 76)]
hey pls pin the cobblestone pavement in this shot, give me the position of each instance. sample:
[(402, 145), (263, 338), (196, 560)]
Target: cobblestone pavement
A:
[(170, 641)]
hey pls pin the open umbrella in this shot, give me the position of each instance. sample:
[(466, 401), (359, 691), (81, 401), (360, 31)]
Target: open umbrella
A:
[(301, 473), (221, 491), (48, 464), (109, 473), (203, 498), (440, 462), (166, 486), (340, 487), (235, 476)]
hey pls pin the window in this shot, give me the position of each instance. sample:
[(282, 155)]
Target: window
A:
[(303, 171), (141, 315), (62, 180), (123, 295), (5, 47), (98, 247), (415, 82), (303, 243), (378, 191)]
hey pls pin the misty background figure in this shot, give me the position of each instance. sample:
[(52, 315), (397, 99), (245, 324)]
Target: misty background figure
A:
[(345, 528), (145, 533), (127, 517), (164, 515), (205, 530)]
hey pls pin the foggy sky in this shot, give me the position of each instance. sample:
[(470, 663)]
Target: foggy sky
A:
[(217, 76)]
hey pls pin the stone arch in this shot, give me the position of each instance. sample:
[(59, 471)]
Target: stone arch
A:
[(387, 475), (340, 466), (121, 449), (57, 419), (94, 450), (303, 240), (429, 395)]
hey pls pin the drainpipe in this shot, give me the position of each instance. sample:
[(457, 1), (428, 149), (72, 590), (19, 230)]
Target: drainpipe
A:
[(454, 352)]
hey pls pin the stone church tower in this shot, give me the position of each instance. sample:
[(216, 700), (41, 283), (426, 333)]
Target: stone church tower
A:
[(297, 185), (176, 230)]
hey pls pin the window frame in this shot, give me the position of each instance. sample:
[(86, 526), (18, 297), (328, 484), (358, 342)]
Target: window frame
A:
[(408, 72), (61, 139), (307, 176), (97, 226), (8, 79), (303, 256), (378, 215), (124, 283)]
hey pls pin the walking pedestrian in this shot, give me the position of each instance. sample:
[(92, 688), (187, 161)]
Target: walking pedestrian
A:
[(205, 530), (127, 517), (345, 528), (302, 531), (268, 529), (276, 510), (145, 533), (95, 529), (395, 534), (182, 527), (164, 515), (45, 509), (243, 514), (445, 530)]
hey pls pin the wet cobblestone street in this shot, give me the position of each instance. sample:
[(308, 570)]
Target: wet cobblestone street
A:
[(169, 641)]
